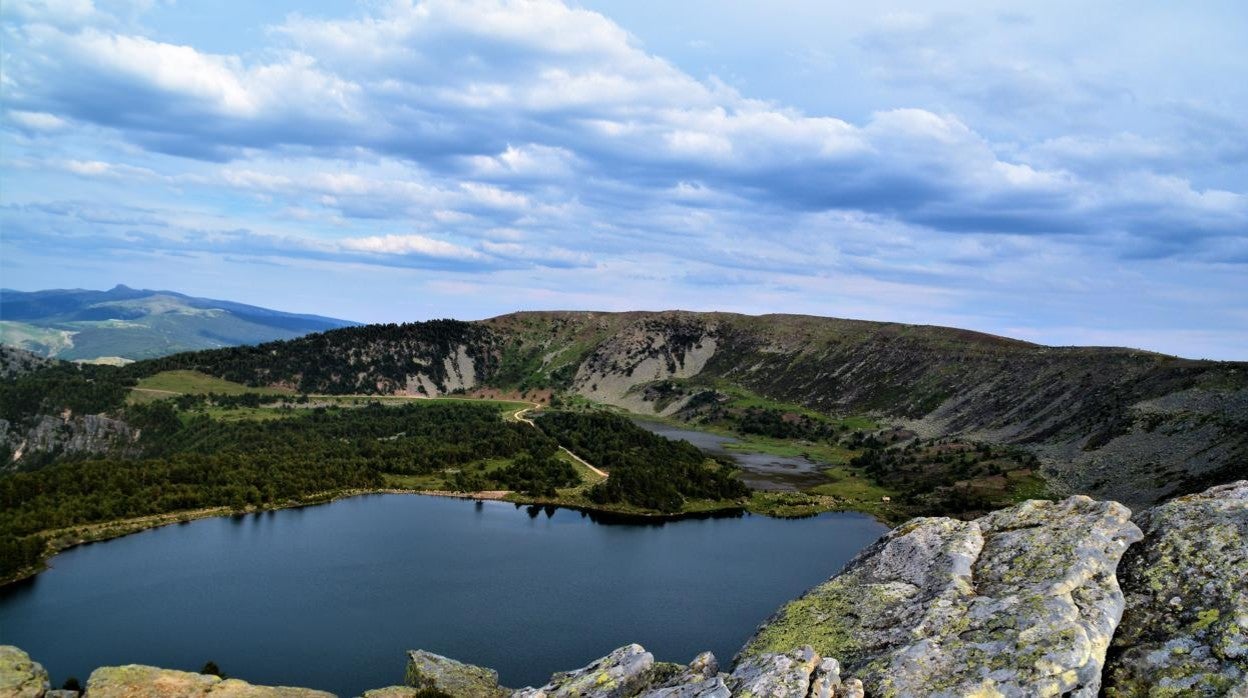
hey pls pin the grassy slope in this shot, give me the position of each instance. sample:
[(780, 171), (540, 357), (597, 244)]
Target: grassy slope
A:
[(40, 340)]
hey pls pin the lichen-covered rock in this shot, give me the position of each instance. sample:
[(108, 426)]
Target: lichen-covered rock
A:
[(459, 680), (393, 692), (704, 665), (826, 681), (713, 687), (622, 674), (19, 676), (1021, 602), (785, 675), (700, 679), (852, 689), (138, 681), (1185, 629)]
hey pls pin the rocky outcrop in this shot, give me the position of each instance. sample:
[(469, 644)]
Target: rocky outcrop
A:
[(1023, 601), (92, 434), (631, 672), (1185, 630), (621, 674), (137, 681), (19, 676), (16, 362), (426, 670)]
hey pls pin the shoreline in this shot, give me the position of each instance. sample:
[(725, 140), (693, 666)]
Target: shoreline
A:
[(60, 540)]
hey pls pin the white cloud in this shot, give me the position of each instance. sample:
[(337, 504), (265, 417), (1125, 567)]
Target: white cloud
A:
[(37, 120), (408, 244), (56, 12), (87, 167)]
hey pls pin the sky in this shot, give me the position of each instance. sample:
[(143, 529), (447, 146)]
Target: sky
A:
[(1064, 172)]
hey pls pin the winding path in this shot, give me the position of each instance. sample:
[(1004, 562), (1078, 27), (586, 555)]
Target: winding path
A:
[(519, 416)]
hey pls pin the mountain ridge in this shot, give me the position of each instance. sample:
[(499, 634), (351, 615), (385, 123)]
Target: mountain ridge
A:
[(1113, 422), (126, 324)]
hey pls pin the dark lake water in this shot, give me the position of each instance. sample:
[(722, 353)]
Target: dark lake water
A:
[(761, 471), (330, 596)]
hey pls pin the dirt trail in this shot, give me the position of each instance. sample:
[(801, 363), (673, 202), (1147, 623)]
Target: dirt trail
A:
[(519, 416)]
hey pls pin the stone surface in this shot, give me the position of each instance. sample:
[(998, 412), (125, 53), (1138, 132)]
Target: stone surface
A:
[(621, 674), (826, 681), (713, 687), (393, 692), (1021, 602), (853, 689), (138, 681), (88, 434), (785, 675), (699, 678), (1185, 629), (20, 677), (429, 670), (704, 665)]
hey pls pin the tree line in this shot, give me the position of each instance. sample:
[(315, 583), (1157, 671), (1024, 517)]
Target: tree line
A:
[(194, 461), (646, 470)]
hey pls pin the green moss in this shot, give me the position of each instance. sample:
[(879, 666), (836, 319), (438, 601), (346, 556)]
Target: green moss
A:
[(1204, 619), (827, 619)]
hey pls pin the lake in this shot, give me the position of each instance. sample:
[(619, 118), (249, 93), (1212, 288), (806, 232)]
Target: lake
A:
[(331, 596), (760, 471)]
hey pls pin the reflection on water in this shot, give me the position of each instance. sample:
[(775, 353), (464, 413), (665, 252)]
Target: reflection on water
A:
[(331, 596), (760, 471)]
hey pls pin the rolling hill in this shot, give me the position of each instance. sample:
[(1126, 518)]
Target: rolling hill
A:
[(125, 324), (1112, 422)]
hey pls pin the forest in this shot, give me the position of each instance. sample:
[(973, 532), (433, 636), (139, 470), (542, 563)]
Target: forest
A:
[(81, 388), (194, 461), (646, 470), (365, 359), (188, 459), (948, 476)]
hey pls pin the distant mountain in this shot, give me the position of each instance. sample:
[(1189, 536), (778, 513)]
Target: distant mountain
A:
[(127, 324)]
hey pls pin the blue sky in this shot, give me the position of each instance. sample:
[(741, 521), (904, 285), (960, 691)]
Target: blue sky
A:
[(1070, 173)]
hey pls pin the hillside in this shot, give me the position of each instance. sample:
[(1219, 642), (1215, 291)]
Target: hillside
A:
[(1118, 423), (126, 324)]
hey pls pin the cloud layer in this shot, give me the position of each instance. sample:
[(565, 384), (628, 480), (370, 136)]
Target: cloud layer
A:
[(491, 143)]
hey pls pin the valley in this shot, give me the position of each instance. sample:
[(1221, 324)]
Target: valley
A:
[(609, 425), (781, 415)]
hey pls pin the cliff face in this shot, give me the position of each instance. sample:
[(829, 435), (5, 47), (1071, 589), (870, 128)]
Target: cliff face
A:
[(1120, 424), (66, 434), (1023, 602)]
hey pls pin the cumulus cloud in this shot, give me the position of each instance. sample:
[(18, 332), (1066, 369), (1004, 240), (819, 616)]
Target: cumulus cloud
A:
[(37, 120), (511, 94), (408, 244)]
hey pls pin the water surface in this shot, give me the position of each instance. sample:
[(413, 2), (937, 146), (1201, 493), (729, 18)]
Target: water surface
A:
[(330, 596), (759, 471)]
